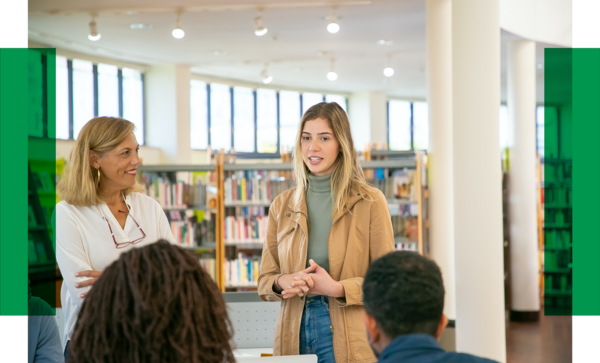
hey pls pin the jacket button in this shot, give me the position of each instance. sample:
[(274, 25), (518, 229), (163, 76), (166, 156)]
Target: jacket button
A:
[(358, 193), (344, 206), (289, 214)]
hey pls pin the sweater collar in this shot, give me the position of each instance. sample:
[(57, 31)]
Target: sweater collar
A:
[(319, 184)]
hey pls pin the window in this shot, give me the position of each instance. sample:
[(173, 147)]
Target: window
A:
[(310, 99), (539, 122), (62, 98), (504, 128), (108, 90), (399, 121), (340, 100), (133, 101), (220, 116), (243, 119), (198, 115), (36, 93), (84, 91), (83, 94), (420, 126), (266, 120), (289, 117)]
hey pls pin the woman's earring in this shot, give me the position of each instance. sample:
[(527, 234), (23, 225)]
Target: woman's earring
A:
[(98, 176)]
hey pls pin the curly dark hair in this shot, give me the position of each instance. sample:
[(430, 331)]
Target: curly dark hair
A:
[(404, 292), (154, 304)]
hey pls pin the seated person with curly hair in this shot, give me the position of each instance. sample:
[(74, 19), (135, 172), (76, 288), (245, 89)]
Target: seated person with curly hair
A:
[(154, 304), (403, 295)]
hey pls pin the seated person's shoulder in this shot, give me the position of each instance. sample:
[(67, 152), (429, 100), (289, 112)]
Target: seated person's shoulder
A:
[(453, 357)]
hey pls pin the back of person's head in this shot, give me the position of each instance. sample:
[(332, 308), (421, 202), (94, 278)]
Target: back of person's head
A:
[(404, 293), (154, 304)]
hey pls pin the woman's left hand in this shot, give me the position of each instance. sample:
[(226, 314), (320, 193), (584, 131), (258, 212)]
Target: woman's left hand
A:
[(89, 282), (324, 284)]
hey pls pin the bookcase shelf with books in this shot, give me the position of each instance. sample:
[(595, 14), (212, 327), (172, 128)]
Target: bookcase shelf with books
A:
[(235, 198)]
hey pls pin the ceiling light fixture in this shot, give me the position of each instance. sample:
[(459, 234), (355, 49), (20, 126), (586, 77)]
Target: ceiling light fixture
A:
[(388, 71), (259, 28), (385, 42), (178, 32), (94, 35), (333, 27), (266, 77), (331, 75)]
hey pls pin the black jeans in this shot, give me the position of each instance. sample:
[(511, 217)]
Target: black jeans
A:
[(67, 350)]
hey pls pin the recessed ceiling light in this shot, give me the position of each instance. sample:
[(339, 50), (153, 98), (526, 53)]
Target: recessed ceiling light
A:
[(385, 42), (139, 26)]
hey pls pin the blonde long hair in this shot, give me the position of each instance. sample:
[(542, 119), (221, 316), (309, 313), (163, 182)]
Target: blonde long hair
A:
[(79, 182), (347, 174)]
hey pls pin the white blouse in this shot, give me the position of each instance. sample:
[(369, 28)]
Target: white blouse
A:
[(84, 242)]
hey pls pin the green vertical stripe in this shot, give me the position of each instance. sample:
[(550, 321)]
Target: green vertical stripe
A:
[(13, 181), (586, 181)]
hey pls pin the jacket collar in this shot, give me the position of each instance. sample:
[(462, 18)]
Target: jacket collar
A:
[(409, 342)]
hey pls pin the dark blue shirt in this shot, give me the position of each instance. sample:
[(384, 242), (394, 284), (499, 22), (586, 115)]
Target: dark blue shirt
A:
[(423, 348)]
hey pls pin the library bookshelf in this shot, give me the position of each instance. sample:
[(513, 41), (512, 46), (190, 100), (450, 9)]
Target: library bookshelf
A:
[(220, 211)]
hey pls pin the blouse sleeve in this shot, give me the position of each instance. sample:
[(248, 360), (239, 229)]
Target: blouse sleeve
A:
[(70, 252)]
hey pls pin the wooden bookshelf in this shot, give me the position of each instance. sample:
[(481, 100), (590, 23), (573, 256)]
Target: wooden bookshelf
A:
[(412, 166)]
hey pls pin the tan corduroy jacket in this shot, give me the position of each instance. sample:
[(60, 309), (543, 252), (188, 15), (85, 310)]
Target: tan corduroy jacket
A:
[(360, 233)]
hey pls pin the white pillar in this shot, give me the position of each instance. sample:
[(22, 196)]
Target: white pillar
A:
[(439, 157), (168, 112), (368, 118), (477, 179), (525, 292)]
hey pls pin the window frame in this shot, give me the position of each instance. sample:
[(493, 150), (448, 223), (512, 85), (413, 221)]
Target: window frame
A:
[(96, 94)]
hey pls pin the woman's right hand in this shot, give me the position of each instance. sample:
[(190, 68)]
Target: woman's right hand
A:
[(89, 282), (297, 283)]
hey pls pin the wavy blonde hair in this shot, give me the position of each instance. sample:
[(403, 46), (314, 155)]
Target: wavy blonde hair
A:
[(347, 174), (79, 182)]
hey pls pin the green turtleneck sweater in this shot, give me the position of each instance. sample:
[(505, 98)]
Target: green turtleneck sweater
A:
[(319, 204)]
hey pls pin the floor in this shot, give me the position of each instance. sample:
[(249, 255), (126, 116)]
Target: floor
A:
[(546, 341)]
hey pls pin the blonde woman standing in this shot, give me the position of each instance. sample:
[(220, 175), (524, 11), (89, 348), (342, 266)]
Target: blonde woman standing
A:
[(103, 213), (322, 236)]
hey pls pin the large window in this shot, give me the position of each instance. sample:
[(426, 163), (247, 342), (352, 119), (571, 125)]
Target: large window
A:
[(399, 121), (133, 101), (266, 120), (289, 117), (220, 116), (310, 99), (108, 90), (504, 128), (420, 126), (198, 115), (243, 119), (539, 121), (339, 99), (62, 98), (83, 94), (85, 90)]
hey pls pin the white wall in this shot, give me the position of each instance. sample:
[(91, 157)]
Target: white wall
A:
[(368, 118)]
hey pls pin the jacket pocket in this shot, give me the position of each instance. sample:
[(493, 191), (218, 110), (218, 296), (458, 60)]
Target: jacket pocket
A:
[(357, 334)]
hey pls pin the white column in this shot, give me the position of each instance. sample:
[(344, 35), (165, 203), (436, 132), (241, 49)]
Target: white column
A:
[(525, 292), (439, 157), (477, 179), (368, 118), (168, 112)]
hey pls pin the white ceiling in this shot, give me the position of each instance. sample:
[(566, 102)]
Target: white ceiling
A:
[(297, 47)]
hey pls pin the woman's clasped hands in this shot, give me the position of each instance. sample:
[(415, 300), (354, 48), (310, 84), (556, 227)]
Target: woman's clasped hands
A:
[(312, 280)]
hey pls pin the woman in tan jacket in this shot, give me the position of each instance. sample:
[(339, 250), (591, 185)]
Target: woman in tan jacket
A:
[(322, 236)]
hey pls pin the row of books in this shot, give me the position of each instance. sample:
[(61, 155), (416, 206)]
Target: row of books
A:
[(44, 181), (399, 185), (405, 228), (190, 190), (192, 228), (36, 252), (243, 271), (558, 238), (407, 246), (255, 186), (210, 266)]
